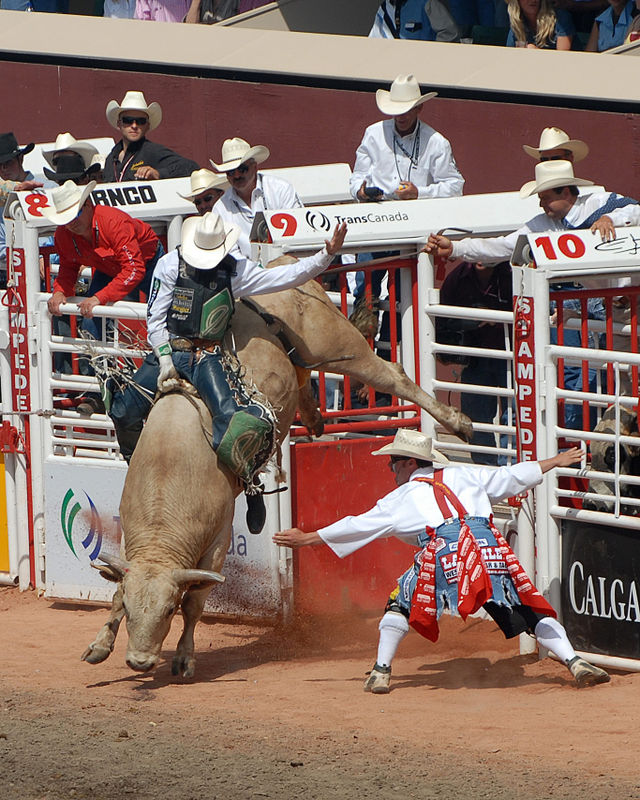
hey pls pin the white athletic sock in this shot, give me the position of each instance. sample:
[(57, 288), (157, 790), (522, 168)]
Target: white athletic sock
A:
[(551, 634), (393, 628)]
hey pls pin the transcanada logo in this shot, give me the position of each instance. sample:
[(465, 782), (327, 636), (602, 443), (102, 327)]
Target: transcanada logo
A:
[(372, 217), (92, 541), (599, 596)]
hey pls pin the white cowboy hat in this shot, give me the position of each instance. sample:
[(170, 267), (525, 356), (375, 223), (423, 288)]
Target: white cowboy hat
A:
[(404, 95), (67, 201), (551, 174), (65, 141), (206, 240), (412, 444), (557, 139), (236, 151), (203, 179), (134, 101)]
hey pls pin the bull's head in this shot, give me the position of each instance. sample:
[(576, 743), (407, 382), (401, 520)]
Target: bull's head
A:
[(151, 595)]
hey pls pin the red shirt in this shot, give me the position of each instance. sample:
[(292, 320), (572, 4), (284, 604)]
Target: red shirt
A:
[(120, 247)]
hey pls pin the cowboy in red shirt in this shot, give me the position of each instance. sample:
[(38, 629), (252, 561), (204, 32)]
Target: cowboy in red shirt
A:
[(121, 251)]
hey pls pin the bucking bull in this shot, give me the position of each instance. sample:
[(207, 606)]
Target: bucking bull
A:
[(178, 501)]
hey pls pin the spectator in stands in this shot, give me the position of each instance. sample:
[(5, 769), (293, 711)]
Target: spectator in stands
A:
[(66, 144), (610, 27), (555, 145), (123, 9), (563, 206), (250, 191), (162, 10), (429, 21), (135, 157), (632, 33), (50, 6), (401, 158), (12, 171), (535, 24), (72, 168), (206, 189), (209, 12)]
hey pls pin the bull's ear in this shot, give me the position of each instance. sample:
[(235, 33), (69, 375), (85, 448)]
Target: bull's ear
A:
[(191, 576), (107, 572)]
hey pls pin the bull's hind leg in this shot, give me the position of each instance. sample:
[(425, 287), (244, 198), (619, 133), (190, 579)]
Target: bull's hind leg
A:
[(309, 412), (101, 648), (184, 662)]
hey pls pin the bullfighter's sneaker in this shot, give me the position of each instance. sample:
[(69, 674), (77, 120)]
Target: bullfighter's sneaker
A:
[(586, 674), (378, 680)]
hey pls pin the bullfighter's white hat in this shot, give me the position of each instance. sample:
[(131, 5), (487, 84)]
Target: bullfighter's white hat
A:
[(412, 444)]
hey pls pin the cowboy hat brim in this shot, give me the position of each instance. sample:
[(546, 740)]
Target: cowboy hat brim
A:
[(392, 108), (153, 111), (220, 183), (85, 150), (66, 216), (259, 153), (198, 258), (579, 149), (70, 176), (392, 449), (531, 187), (16, 153)]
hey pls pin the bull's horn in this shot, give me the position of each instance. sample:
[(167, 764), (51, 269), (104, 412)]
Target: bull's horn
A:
[(119, 564), (197, 576), (107, 571)]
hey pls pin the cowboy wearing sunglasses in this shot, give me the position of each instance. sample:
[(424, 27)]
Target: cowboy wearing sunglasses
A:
[(251, 191), (135, 158)]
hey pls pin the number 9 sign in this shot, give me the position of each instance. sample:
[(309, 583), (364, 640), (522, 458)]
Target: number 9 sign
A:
[(285, 223)]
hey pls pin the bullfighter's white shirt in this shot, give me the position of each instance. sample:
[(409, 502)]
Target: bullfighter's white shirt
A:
[(500, 248), (407, 510), (424, 157), (249, 279), (271, 193)]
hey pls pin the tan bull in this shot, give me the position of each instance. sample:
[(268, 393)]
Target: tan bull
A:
[(178, 501)]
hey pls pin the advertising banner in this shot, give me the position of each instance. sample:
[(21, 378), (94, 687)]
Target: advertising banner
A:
[(82, 520), (600, 591)]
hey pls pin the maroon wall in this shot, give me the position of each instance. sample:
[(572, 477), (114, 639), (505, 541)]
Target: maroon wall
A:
[(308, 125)]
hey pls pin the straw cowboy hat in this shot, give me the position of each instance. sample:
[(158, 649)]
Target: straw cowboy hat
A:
[(134, 101), (9, 148), (404, 95), (412, 444), (67, 201), (70, 168), (203, 179), (206, 240), (557, 139), (551, 174), (65, 141), (236, 151)]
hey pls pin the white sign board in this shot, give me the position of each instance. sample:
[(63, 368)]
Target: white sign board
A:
[(82, 520)]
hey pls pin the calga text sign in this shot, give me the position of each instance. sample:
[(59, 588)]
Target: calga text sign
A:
[(601, 588)]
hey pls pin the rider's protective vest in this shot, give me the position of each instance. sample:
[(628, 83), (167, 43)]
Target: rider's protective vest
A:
[(202, 303)]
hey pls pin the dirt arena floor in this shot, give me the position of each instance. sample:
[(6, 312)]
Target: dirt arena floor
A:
[(280, 713)]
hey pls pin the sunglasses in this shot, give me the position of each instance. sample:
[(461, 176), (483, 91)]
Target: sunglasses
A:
[(137, 120), (242, 169), (554, 158), (206, 199)]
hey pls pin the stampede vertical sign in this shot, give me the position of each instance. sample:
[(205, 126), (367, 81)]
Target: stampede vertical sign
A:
[(525, 373), (20, 377)]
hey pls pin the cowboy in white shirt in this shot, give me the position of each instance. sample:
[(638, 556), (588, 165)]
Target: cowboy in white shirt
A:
[(251, 191), (414, 513), (206, 189), (403, 157), (555, 145), (564, 209)]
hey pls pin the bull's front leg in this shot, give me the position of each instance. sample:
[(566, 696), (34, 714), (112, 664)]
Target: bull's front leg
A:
[(101, 648), (184, 662)]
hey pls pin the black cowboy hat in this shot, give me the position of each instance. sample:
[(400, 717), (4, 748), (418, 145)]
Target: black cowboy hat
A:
[(70, 168), (9, 147)]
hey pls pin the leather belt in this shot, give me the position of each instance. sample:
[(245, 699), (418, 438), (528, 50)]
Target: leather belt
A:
[(192, 345)]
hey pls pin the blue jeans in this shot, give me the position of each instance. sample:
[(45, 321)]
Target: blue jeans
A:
[(483, 407)]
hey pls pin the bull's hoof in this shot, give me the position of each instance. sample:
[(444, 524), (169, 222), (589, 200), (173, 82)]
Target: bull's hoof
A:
[(96, 653), (183, 665)]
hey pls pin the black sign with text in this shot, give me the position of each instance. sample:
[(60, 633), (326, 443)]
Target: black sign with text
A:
[(601, 588)]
